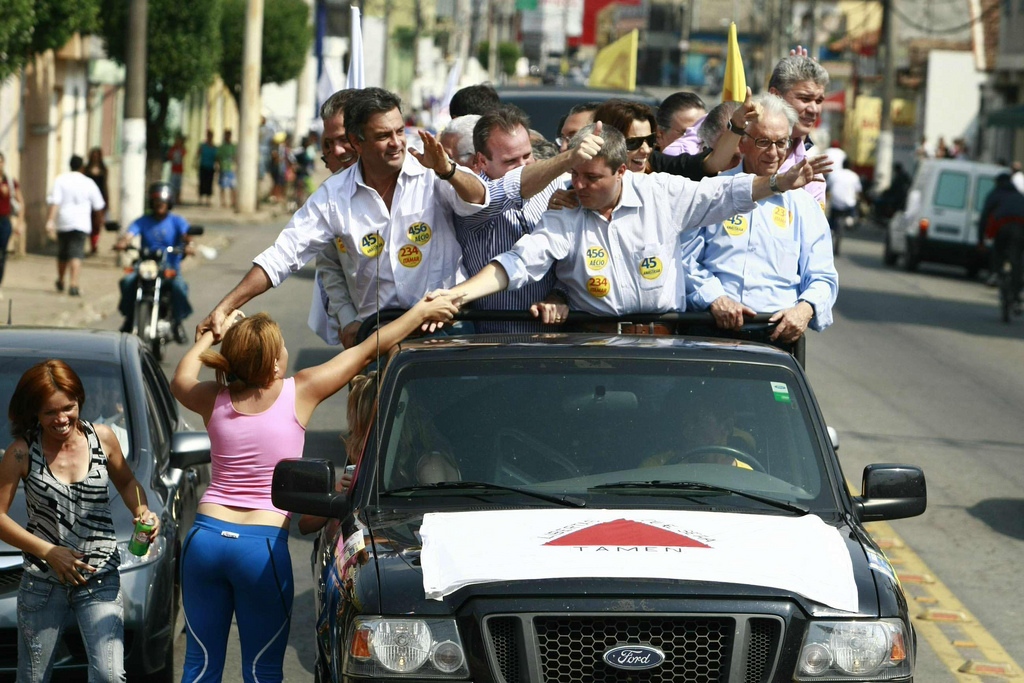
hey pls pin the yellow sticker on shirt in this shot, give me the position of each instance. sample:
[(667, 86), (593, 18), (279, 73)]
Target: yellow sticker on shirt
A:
[(340, 244), (371, 245), (737, 225), (419, 233), (410, 256), (822, 205), (597, 258), (651, 268), (781, 217), (599, 286)]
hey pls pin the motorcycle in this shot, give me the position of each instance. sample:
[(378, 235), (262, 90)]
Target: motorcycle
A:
[(153, 321)]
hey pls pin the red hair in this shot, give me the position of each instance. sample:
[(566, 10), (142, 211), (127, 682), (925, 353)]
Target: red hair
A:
[(37, 384)]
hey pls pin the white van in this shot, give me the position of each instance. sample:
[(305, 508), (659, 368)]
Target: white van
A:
[(940, 221)]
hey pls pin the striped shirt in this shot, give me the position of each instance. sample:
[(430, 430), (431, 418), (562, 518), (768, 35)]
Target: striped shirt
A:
[(494, 230), (75, 516)]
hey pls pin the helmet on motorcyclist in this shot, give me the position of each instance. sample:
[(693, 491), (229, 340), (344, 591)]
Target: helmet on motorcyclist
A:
[(161, 193)]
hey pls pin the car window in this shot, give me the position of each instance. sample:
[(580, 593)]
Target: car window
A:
[(104, 394), (982, 189), (951, 190), (157, 415), (567, 426)]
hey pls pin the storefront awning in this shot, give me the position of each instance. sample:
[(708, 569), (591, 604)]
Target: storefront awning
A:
[(1008, 117)]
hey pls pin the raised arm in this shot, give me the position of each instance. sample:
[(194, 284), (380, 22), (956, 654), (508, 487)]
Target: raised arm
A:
[(539, 174), (255, 282), (315, 384), (468, 186), (199, 397)]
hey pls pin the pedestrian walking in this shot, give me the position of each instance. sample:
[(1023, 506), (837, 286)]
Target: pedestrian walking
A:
[(76, 208), (11, 205), (71, 559), (176, 155), (206, 160), (97, 170), (228, 181), (235, 559)]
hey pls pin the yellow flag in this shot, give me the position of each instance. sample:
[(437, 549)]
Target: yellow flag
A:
[(735, 87), (615, 65)]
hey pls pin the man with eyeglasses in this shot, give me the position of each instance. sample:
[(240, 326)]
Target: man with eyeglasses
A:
[(520, 187), (618, 253), (775, 258)]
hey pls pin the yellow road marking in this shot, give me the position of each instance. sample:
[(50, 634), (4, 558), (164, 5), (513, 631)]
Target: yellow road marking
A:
[(959, 641)]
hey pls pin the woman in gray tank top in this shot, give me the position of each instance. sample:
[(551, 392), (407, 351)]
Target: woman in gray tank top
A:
[(69, 546)]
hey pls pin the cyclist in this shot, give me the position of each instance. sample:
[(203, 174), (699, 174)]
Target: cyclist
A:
[(159, 229), (1002, 223)]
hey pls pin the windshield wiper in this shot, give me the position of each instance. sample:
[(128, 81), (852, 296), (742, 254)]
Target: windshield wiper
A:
[(698, 486), (567, 501)]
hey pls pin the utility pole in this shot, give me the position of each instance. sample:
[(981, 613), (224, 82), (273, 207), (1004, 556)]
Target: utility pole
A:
[(883, 149), (248, 138), (492, 43), (304, 104), (133, 154)]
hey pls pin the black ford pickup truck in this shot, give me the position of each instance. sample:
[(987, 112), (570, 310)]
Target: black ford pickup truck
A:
[(581, 507)]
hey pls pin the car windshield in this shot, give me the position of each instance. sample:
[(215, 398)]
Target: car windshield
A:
[(104, 394), (603, 432)]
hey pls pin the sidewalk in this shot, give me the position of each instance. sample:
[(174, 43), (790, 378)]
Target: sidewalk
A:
[(29, 292)]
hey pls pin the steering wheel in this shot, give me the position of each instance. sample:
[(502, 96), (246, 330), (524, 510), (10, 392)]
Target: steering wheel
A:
[(544, 458), (695, 453)]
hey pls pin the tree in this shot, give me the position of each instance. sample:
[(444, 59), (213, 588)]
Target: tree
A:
[(183, 48), (286, 39), (30, 27), (508, 55)]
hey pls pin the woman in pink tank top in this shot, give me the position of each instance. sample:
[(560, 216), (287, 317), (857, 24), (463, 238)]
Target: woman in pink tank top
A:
[(235, 558)]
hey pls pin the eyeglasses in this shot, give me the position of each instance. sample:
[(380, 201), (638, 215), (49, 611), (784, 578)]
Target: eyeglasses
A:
[(633, 144), (781, 144)]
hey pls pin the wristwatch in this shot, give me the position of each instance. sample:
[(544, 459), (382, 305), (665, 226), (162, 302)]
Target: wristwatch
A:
[(450, 173), (733, 128), (773, 183)]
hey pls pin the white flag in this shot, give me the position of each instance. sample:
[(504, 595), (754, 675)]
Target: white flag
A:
[(356, 76)]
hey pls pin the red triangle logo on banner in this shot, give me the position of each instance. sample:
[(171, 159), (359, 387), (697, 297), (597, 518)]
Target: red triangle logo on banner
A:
[(628, 533)]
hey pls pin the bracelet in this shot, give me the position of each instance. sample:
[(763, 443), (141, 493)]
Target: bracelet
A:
[(450, 173)]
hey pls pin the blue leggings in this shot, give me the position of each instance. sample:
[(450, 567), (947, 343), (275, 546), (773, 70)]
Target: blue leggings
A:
[(243, 570)]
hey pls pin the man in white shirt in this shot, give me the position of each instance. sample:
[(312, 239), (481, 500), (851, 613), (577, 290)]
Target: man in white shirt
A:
[(1018, 176), (392, 213), (76, 205), (844, 188), (618, 252)]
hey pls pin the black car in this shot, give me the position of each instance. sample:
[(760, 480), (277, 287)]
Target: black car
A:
[(545, 106), (125, 389), (580, 507)]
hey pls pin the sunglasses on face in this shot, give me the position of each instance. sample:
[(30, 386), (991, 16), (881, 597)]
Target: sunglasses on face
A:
[(633, 144)]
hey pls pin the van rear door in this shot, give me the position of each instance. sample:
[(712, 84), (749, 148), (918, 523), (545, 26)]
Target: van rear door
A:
[(950, 208)]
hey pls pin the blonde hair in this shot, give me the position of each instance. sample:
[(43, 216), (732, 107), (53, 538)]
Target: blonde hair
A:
[(248, 352), (362, 397)]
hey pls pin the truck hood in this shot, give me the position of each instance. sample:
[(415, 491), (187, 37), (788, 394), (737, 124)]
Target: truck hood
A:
[(431, 559)]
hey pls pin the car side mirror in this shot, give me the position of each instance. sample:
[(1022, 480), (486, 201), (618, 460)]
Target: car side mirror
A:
[(189, 449), (891, 492), (307, 487)]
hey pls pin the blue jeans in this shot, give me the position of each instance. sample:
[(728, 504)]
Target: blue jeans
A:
[(180, 306), (43, 607), (5, 237)]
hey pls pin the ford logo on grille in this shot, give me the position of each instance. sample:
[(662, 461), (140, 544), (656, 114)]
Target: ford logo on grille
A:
[(634, 657)]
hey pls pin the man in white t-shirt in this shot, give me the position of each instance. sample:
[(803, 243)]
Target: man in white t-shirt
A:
[(76, 205)]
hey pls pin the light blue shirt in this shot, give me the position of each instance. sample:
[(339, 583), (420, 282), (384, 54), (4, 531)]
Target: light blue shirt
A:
[(769, 259)]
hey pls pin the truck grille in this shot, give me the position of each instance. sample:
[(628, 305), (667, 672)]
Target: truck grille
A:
[(570, 648)]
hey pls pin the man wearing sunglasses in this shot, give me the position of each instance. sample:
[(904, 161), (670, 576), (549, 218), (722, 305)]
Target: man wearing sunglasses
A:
[(618, 253), (775, 258)]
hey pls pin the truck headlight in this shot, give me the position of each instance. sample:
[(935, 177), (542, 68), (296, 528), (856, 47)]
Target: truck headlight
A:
[(855, 651), (386, 647)]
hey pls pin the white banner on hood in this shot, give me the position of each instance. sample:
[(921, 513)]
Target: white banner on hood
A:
[(798, 554)]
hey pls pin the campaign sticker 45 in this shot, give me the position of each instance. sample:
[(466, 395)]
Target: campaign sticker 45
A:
[(781, 392)]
